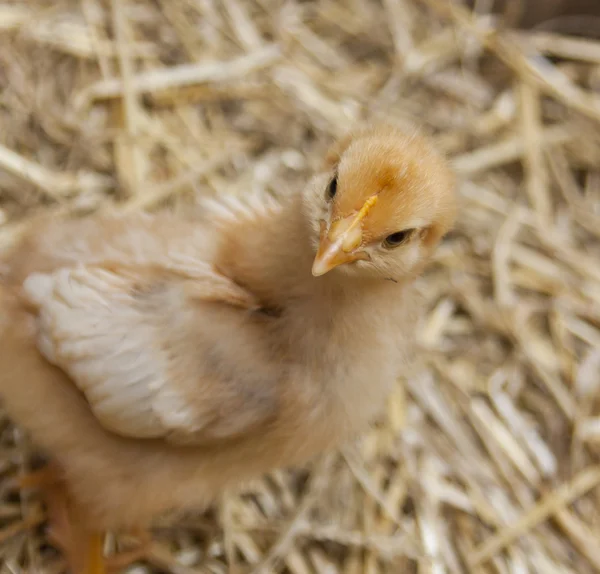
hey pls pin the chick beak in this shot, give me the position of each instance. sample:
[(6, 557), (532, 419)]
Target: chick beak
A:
[(340, 244), (330, 254)]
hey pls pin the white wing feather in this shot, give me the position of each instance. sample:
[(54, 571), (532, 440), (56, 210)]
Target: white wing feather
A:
[(92, 326)]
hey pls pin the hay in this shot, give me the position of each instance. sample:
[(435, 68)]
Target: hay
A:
[(487, 459)]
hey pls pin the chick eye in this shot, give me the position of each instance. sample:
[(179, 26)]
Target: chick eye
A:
[(332, 187), (398, 238)]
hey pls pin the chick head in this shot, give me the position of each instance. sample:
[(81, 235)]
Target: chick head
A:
[(381, 205)]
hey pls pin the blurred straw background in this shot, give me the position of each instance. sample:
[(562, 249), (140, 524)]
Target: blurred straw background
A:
[(487, 459)]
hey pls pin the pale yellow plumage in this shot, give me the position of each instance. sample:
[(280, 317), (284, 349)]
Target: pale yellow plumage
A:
[(105, 328)]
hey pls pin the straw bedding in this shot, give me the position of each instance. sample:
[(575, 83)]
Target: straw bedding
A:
[(487, 457)]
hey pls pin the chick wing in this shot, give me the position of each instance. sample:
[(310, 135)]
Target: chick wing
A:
[(111, 329)]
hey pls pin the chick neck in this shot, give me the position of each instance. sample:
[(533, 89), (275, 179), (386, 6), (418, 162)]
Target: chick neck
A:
[(293, 246), (273, 256)]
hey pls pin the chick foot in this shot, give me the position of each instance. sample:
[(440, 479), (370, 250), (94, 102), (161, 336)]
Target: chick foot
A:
[(118, 562), (81, 546)]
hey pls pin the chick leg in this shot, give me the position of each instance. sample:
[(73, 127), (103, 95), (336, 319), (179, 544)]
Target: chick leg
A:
[(81, 546)]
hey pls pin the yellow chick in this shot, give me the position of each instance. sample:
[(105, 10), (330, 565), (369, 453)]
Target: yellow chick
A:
[(158, 360)]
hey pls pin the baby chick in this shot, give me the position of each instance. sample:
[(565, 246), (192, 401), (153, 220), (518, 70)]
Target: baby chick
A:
[(159, 360)]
